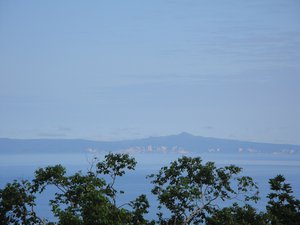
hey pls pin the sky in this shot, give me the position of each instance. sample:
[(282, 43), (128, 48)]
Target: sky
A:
[(112, 70)]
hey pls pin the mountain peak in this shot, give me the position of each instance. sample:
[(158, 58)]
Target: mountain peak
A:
[(185, 134)]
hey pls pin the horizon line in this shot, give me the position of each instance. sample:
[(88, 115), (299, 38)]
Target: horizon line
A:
[(142, 138)]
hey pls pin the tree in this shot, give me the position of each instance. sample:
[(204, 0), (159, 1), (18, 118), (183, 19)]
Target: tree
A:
[(81, 199), (190, 190), (282, 207), (237, 215), (17, 204)]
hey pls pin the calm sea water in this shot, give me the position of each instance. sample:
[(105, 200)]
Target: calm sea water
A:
[(259, 166)]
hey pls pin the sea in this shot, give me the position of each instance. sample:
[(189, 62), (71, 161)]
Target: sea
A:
[(260, 166)]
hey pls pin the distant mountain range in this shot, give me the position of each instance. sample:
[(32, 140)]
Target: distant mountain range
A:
[(182, 143)]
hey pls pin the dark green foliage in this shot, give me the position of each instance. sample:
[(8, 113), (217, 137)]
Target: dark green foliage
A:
[(140, 207), (115, 165), (189, 189), (282, 207), (237, 215), (81, 199), (17, 204)]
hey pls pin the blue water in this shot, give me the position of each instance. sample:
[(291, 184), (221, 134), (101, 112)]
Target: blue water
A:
[(259, 166)]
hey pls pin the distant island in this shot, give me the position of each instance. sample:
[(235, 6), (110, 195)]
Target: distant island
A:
[(183, 143)]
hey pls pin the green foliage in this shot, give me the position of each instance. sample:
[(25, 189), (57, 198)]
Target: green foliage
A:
[(237, 215), (115, 165), (282, 207), (17, 204), (189, 189), (140, 207), (80, 199)]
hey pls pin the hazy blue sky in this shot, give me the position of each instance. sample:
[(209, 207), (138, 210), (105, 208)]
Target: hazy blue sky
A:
[(109, 70)]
